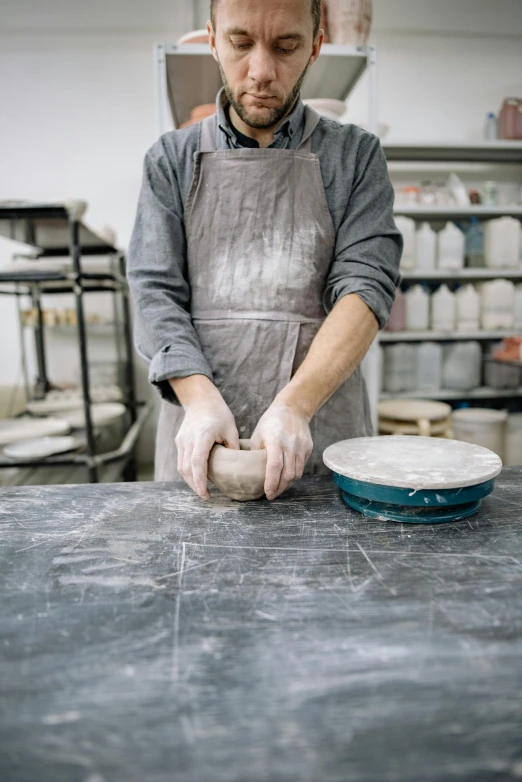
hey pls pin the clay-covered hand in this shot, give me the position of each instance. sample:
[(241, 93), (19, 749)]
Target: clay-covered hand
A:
[(285, 433), (205, 424)]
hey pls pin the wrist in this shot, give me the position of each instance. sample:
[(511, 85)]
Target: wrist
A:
[(195, 391), (296, 401)]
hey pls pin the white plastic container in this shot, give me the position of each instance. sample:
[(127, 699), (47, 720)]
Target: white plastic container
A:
[(452, 248), (497, 302), (425, 248), (518, 307), (399, 368), (417, 309), (443, 310), (468, 309), (502, 243), (482, 427), (407, 228), (462, 366), (513, 445), (428, 366)]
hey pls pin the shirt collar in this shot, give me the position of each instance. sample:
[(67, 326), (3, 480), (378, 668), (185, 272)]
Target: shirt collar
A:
[(290, 131)]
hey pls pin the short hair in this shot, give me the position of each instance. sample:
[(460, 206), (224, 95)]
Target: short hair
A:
[(316, 14)]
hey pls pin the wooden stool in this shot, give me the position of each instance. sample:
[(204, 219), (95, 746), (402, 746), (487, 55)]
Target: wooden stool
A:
[(415, 417)]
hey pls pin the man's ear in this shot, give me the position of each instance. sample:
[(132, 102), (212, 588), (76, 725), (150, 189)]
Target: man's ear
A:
[(212, 40)]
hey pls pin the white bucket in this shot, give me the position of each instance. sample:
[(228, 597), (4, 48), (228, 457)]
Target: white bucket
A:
[(482, 427), (514, 441)]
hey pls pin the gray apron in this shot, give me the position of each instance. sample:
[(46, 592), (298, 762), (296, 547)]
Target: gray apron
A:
[(260, 244)]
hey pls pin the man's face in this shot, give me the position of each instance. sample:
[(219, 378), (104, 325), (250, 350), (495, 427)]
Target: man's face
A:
[(263, 48)]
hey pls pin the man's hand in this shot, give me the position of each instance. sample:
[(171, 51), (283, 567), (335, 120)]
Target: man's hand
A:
[(285, 433), (208, 420)]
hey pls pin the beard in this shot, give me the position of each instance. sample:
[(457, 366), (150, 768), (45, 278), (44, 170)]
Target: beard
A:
[(275, 115)]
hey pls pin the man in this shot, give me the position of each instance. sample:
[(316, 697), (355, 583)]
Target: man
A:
[(251, 226)]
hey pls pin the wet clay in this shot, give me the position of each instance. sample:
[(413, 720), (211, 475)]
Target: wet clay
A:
[(240, 475)]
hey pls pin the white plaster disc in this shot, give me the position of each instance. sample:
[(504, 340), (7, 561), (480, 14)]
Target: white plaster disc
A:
[(413, 462), (14, 430)]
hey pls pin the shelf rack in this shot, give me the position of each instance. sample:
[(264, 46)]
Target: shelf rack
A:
[(53, 232), (187, 75), (448, 336), (488, 153)]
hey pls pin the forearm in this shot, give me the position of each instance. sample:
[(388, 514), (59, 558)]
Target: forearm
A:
[(337, 350), (195, 390)]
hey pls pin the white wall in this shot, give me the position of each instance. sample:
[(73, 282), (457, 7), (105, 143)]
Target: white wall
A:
[(78, 107)]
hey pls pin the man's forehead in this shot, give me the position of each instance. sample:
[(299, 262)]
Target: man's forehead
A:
[(288, 17), (294, 35)]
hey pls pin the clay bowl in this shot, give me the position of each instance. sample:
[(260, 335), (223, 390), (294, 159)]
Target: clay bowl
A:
[(239, 474)]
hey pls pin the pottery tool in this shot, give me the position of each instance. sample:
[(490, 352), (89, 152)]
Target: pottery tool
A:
[(419, 480)]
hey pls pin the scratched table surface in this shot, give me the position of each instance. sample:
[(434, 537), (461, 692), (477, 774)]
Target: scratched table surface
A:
[(149, 637)]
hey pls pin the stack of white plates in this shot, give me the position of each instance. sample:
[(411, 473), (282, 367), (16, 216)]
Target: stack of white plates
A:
[(14, 430)]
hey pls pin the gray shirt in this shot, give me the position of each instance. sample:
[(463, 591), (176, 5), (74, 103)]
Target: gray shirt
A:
[(360, 199)]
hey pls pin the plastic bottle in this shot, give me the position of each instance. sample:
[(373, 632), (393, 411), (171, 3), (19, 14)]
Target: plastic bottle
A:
[(491, 127), (462, 366), (397, 321), (518, 307), (407, 228), (399, 368), (425, 248), (474, 244), (417, 309), (452, 247), (497, 299), (443, 310), (502, 243), (468, 309), (509, 125), (429, 366)]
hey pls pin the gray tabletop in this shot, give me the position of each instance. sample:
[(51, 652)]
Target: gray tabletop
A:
[(147, 636)]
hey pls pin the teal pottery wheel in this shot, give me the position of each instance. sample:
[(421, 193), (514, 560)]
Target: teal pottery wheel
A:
[(417, 480)]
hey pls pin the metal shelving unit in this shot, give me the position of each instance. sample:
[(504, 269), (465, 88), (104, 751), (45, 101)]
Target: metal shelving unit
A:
[(455, 152), (444, 213), (442, 394), (187, 75), (53, 233), (477, 157), (448, 336), (463, 275)]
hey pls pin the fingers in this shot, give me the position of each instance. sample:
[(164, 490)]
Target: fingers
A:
[(291, 469), (199, 466), (274, 468)]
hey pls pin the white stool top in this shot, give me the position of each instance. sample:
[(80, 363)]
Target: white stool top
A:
[(413, 462)]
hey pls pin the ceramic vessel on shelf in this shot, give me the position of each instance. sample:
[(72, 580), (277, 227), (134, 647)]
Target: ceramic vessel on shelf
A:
[(452, 248), (407, 228), (425, 248), (497, 304), (443, 310), (399, 368), (468, 309), (428, 366), (502, 239), (349, 21), (462, 366), (417, 309)]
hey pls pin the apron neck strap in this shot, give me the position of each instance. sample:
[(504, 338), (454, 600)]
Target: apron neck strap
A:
[(207, 134), (311, 121), (207, 138)]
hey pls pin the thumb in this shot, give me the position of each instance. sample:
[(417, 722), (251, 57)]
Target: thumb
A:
[(232, 440)]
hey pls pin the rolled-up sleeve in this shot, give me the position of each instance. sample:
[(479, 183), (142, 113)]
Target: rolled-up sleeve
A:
[(368, 244), (157, 274)]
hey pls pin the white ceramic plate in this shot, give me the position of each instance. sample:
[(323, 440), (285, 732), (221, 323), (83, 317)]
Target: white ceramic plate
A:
[(102, 414), (60, 402), (40, 448), (15, 430)]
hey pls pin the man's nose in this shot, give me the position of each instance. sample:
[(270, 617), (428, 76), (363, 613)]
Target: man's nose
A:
[(261, 65)]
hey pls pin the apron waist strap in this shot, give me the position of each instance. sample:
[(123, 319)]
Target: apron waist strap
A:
[(281, 317)]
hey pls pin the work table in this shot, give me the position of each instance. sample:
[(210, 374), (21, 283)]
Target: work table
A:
[(147, 636)]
